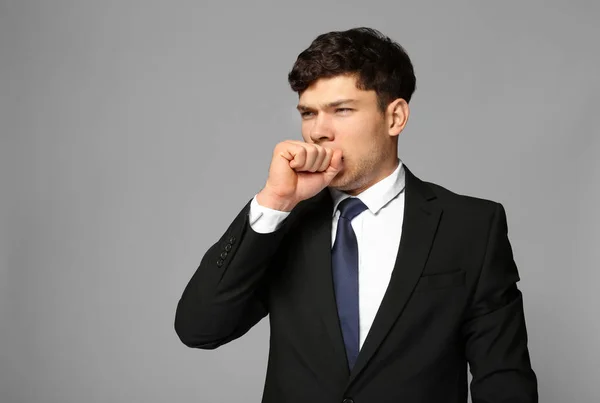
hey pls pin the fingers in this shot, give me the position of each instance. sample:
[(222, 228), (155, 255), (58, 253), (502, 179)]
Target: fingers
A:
[(306, 157), (315, 157), (327, 160)]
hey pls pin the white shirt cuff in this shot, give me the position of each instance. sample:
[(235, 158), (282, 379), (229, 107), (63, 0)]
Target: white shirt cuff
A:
[(265, 220)]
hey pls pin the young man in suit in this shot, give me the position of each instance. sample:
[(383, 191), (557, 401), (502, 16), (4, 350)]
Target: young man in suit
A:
[(380, 287)]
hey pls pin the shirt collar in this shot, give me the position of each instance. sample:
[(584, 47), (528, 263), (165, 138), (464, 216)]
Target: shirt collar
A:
[(378, 195)]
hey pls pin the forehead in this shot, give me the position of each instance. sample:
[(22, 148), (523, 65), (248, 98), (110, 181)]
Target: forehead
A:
[(331, 89)]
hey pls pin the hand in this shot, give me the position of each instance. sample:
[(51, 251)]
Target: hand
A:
[(298, 171)]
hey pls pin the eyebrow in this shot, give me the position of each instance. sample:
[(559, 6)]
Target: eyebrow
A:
[(329, 105)]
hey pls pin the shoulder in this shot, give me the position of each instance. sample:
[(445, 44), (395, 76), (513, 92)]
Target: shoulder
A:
[(464, 207), (451, 199), (467, 221)]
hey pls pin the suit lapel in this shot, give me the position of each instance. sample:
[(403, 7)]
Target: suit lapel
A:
[(421, 217)]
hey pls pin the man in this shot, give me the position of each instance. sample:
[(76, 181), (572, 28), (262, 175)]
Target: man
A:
[(379, 287)]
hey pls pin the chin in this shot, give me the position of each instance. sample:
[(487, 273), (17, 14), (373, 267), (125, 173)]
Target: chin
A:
[(342, 182), (337, 183)]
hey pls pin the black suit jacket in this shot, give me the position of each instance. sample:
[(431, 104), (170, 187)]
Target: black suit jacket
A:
[(452, 299)]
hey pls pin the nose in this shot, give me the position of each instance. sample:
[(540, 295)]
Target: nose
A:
[(321, 129)]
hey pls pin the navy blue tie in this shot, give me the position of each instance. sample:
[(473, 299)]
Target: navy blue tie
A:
[(344, 261)]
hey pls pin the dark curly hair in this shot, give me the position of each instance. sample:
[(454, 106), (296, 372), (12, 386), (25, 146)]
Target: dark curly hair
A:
[(379, 63)]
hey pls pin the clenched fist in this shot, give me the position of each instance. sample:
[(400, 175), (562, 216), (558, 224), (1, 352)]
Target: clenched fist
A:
[(298, 171)]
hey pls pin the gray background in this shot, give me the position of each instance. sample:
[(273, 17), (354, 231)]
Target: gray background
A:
[(133, 132)]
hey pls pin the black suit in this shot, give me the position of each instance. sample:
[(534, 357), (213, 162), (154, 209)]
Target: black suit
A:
[(452, 298)]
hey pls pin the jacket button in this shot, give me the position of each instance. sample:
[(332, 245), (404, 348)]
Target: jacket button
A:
[(219, 263), (232, 240), (348, 401), (228, 247), (223, 255)]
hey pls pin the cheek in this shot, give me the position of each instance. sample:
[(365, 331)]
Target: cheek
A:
[(305, 132)]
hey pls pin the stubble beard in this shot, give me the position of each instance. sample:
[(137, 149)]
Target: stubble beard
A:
[(356, 176)]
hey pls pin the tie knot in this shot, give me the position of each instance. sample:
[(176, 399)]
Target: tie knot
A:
[(351, 207)]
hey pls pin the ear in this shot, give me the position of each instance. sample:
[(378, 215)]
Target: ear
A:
[(397, 115)]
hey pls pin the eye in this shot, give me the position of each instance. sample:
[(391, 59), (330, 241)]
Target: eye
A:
[(307, 114), (343, 111)]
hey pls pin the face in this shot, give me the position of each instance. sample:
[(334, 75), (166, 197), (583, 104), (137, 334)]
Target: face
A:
[(338, 115)]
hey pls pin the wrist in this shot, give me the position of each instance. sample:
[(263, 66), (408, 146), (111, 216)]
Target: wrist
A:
[(268, 199)]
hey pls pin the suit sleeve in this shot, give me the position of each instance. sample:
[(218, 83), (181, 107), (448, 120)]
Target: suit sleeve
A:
[(226, 295), (494, 329)]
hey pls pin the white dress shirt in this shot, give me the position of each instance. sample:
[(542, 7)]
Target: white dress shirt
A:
[(378, 230)]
